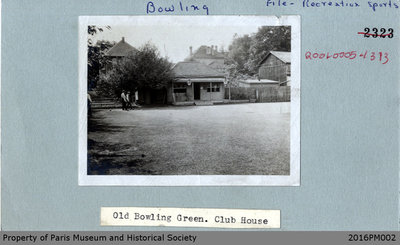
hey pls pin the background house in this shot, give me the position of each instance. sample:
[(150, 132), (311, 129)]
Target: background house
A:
[(117, 53), (210, 56), (196, 82), (275, 66), (145, 95)]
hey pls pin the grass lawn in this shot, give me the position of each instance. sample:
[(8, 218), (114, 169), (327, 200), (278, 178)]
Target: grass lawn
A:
[(241, 139)]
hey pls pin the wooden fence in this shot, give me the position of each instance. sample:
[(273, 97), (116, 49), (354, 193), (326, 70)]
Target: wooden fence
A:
[(260, 94)]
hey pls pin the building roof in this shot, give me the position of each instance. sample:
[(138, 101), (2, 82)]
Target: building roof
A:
[(261, 81), (206, 52), (282, 55), (120, 49), (193, 69), (201, 80)]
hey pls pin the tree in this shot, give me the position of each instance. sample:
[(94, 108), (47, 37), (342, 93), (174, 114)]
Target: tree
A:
[(239, 53), (97, 61), (268, 38), (96, 52), (144, 68), (93, 30), (245, 52)]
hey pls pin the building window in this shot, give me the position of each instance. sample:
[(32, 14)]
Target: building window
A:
[(179, 88), (213, 88)]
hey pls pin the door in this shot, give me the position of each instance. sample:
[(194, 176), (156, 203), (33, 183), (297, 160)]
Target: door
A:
[(196, 91)]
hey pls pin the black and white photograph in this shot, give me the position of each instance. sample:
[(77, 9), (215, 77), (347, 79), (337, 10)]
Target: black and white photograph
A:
[(188, 100)]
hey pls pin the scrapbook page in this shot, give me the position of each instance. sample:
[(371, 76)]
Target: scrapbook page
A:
[(136, 115)]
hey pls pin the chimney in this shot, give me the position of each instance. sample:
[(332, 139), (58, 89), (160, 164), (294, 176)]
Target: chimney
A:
[(212, 50), (191, 51), (123, 39), (216, 48)]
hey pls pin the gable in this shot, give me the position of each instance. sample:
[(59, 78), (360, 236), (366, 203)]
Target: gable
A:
[(120, 49), (205, 52), (282, 56)]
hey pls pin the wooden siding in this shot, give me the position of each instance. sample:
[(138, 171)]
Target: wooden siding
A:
[(273, 69)]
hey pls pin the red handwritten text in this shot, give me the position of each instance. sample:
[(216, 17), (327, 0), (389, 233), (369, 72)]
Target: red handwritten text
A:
[(382, 57)]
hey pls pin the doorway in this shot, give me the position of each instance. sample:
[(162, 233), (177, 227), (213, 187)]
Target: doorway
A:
[(196, 91)]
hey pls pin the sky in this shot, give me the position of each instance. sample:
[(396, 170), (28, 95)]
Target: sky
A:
[(174, 41)]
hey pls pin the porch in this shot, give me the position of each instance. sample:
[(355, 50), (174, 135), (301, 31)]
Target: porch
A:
[(197, 91)]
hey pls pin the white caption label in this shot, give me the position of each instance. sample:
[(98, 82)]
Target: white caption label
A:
[(190, 217)]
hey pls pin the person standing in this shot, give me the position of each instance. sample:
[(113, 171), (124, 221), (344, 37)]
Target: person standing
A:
[(128, 101), (136, 96), (89, 104), (123, 100)]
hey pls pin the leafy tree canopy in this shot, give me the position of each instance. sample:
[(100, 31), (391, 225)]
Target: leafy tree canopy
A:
[(144, 68), (268, 38), (97, 60), (93, 30), (245, 52), (239, 53), (96, 51)]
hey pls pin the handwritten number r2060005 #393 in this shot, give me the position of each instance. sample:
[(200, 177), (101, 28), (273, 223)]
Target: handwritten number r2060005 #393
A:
[(381, 57)]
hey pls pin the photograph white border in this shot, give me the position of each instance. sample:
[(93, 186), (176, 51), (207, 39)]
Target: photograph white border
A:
[(192, 180)]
